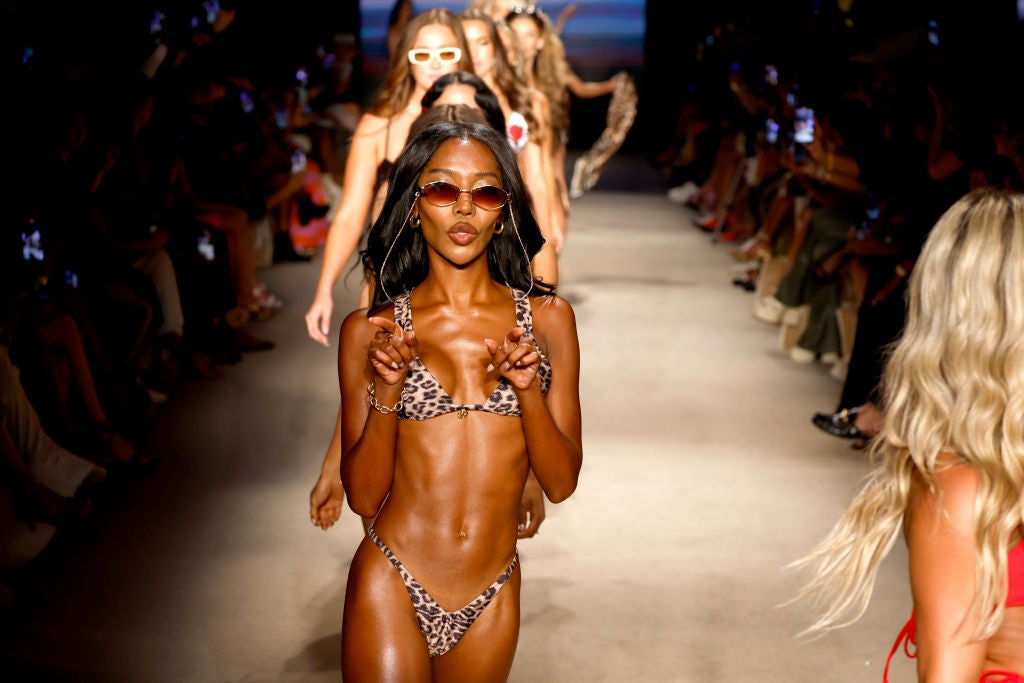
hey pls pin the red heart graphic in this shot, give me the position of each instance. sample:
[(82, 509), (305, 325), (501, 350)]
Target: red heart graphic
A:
[(515, 132)]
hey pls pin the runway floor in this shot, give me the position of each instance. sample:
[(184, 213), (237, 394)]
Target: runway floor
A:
[(703, 477)]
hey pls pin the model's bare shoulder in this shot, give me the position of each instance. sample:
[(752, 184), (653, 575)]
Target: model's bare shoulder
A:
[(950, 499), (356, 326), (370, 125), (554, 323), (552, 310)]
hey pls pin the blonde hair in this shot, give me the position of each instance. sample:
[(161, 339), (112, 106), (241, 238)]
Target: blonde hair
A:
[(954, 384), (399, 83), (549, 68)]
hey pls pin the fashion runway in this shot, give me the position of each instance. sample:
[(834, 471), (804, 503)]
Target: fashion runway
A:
[(702, 478)]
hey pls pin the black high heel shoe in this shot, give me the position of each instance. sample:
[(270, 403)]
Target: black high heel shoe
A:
[(840, 424)]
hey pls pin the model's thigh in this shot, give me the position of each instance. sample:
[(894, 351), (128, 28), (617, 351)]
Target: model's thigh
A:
[(485, 653), (380, 637)]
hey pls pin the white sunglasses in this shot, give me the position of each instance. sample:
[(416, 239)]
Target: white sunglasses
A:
[(445, 55)]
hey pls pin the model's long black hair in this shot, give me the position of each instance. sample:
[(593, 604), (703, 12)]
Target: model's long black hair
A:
[(396, 253), (485, 97)]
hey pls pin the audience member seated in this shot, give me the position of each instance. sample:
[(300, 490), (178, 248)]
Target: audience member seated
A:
[(42, 486)]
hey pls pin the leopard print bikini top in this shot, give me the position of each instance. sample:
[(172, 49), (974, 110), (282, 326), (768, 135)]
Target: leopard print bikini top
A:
[(423, 397)]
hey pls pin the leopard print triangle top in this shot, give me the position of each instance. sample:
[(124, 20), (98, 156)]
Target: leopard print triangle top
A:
[(423, 397)]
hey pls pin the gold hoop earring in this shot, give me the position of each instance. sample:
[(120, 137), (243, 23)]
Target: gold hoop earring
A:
[(414, 221), (499, 228)]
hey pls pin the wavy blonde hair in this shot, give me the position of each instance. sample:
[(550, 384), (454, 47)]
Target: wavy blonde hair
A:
[(954, 384)]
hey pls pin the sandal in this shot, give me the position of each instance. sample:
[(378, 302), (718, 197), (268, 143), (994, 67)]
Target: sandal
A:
[(111, 442), (266, 300)]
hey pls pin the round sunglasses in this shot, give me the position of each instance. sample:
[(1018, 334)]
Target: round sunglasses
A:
[(445, 55), (442, 193)]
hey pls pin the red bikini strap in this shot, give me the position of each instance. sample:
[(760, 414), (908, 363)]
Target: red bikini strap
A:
[(907, 638)]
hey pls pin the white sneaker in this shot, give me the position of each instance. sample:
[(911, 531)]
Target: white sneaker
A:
[(768, 309), (683, 193), (830, 358), (798, 354)]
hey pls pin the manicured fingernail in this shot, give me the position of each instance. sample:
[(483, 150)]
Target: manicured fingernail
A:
[(395, 365), (507, 366), (490, 367)]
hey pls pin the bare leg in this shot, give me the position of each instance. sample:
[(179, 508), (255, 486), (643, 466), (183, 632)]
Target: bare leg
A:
[(61, 334), (380, 637), (870, 419), (241, 260)]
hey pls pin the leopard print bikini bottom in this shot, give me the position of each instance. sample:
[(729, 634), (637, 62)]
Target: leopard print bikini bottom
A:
[(442, 629)]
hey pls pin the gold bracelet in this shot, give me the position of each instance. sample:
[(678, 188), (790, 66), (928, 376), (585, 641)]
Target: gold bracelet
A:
[(377, 405)]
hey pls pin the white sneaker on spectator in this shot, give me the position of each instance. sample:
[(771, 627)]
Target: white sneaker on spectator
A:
[(830, 358), (798, 354), (683, 193), (768, 309)]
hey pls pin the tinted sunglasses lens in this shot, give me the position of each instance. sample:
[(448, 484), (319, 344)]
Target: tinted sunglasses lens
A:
[(450, 55), (445, 55), (440, 194), (489, 197)]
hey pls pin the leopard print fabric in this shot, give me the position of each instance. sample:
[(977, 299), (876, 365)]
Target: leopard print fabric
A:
[(621, 113), (442, 629), (423, 397)]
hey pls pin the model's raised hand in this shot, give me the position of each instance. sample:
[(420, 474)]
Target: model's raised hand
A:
[(516, 358), (391, 350)]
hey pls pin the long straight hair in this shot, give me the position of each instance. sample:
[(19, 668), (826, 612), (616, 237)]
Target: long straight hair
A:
[(514, 89), (549, 66)]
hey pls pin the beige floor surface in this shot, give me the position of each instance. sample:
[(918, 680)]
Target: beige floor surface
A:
[(703, 478)]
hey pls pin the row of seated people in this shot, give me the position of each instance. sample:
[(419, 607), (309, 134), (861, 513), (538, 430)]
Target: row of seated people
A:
[(142, 208), (827, 195)]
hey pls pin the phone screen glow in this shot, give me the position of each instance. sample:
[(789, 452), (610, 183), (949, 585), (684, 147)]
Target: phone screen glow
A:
[(803, 126)]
